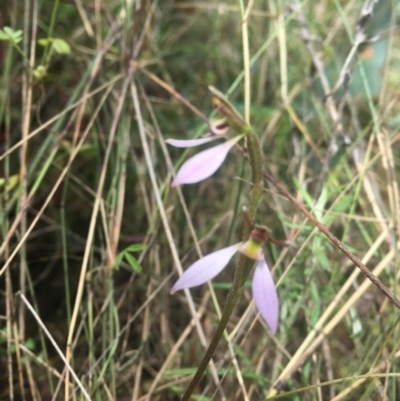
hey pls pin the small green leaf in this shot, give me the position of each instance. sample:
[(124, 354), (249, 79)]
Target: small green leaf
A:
[(134, 263), (30, 344), (61, 46), (136, 247), (306, 372), (44, 42), (39, 72), (307, 197), (11, 35), (316, 309), (18, 37), (9, 31), (324, 261), (357, 325), (88, 150), (118, 260)]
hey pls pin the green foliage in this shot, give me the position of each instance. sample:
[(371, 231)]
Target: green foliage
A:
[(29, 343), (60, 46), (127, 255), (8, 34)]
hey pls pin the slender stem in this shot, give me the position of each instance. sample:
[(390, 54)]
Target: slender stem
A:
[(235, 293), (246, 63), (49, 49), (244, 264), (256, 163)]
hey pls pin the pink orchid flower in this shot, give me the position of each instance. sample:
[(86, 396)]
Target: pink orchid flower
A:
[(263, 287), (207, 162)]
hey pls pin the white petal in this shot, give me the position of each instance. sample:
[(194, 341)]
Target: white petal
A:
[(204, 164), (265, 295), (205, 268), (190, 143)]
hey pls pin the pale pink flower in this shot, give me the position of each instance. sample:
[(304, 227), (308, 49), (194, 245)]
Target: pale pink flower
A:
[(207, 162), (263, 287)]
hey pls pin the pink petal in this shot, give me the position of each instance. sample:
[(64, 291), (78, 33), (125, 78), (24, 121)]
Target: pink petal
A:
[(204, 164), (189, 143), (205, 268), (265, 295)]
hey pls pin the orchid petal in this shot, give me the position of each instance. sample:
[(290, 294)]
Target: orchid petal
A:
[(265, 295), (204, 164), (190, 143), (205, 268)]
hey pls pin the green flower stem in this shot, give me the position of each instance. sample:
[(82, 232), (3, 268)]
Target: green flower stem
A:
[(256, 162), (244, 264)]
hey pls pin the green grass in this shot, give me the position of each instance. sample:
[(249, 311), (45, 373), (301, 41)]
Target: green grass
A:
[(84, 181)]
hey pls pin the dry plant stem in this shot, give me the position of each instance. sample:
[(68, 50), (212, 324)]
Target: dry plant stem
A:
[(345, 392), (322, 326), (40, 213), (29, 46), (53, 119), (359, 38), (329, 100), (164, 218), (246, 61), (92, 226), (368, 376), (197, 246), (53, 342), (207, 6), (244, 264), (171, 90), (9, 299), (317, 63), (123, 330), (175, 348), (145, 335), (108, 86), (9, 316), (386, 291), (116, 220)]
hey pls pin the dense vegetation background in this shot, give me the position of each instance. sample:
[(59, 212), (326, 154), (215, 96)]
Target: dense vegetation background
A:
[(93, 237)]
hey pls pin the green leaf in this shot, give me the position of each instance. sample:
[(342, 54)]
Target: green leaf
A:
[(356, 322), (307, 197), (88, 149), (30, 344), (320, 204), (118, 260), (324, 261), (44, 42), (61, 46), (133, 262), (135, 247), (316, 309), (9, 34), (341, 207), (39, 72), (9, 31)]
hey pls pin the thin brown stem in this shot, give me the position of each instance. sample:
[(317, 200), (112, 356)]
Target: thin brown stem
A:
[(375, 280)]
